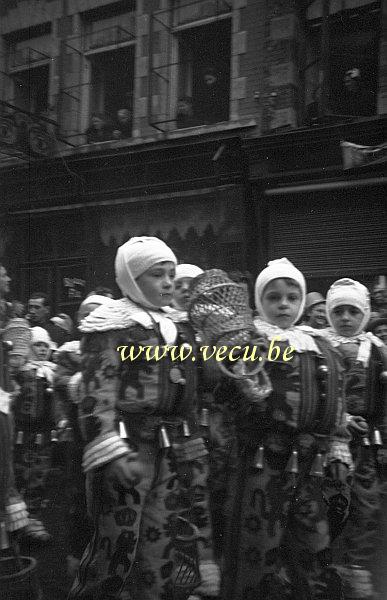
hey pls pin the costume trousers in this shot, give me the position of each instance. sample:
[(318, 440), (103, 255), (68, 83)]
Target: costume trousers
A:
[(355, 547), (280, 526), (132, 553)]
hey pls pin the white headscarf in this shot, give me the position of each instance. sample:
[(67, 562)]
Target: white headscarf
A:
[(187, 270), (40, 335), (282, 268), (350, 292), (134, 258)]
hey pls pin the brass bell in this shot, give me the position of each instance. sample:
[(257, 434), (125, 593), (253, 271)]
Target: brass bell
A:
[(19, 438), (365, 441), (383, 376), (258, 459), (317, 468), (164, 438), (4, 542), (122, 431), (205, 417), (54, 435), (68, 435), (292, 466), (377, 438), (322, 371), (39, 439), (186, 429)]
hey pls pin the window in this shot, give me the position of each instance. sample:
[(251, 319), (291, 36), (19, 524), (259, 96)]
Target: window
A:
[(112, 80), (31, 88), (351, 71), (204, 74)]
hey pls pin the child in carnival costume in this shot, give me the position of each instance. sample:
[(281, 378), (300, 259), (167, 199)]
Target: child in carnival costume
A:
[(68, 392), (365, 360), (288, 492), (146, 464), (33, 414)]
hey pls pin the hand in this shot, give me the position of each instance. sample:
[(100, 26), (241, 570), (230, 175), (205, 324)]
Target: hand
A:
[(189, 450), (358, 424), (126, 470)]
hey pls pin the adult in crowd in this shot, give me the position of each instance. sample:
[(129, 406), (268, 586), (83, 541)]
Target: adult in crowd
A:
[(315, 315), (378, 327), (39, 316), (5, 307)]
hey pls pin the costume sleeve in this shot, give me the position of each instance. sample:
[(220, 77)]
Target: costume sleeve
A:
[(338, 440), (98, 415)]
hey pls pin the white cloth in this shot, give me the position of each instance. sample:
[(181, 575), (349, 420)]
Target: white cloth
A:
[(5, 402), (280, 268), (134, 258), (40, 335), (363, 339), (122, 314), (187, 270), (349, 292), (96, 299), (301, 340)]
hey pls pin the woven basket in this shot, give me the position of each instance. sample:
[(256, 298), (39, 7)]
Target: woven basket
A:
[(219, 308)]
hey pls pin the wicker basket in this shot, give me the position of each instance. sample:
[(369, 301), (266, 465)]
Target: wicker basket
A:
[(219, 308)]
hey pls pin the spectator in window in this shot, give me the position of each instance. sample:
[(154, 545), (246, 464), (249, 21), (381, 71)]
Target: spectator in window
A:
[(211, 97), (123, 125), (184, 113), (99, 129), (356, 99), (39, 315)]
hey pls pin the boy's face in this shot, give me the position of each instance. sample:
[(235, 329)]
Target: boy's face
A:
[(181, 293), (41, 350), (157, 283), (281, 302), (346, 319)]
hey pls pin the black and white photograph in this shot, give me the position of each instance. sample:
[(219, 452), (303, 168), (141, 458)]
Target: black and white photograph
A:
[(193, 300)]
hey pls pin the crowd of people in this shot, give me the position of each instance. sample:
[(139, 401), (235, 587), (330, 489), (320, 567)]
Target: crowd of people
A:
[(223, 477)]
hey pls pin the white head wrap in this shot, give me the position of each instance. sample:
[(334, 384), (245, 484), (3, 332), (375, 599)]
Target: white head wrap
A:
[(134, 258), (38, 335), (187, 270), (280, 268), (350, 292)]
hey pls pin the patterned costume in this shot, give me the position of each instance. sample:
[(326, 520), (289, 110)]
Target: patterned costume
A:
[(139, 489), (285, 503), (365, 359)]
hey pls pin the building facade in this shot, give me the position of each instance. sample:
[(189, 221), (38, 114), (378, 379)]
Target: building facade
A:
[(213, 124)]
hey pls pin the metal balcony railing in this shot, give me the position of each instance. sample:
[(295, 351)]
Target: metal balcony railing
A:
[(25, 57), (110, 36)]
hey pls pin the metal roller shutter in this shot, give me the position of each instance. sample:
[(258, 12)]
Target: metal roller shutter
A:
[(333, 234)]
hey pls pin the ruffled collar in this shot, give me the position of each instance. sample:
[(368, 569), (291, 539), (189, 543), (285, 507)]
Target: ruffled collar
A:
[(300, 339), (336, 339), (123, 313)]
